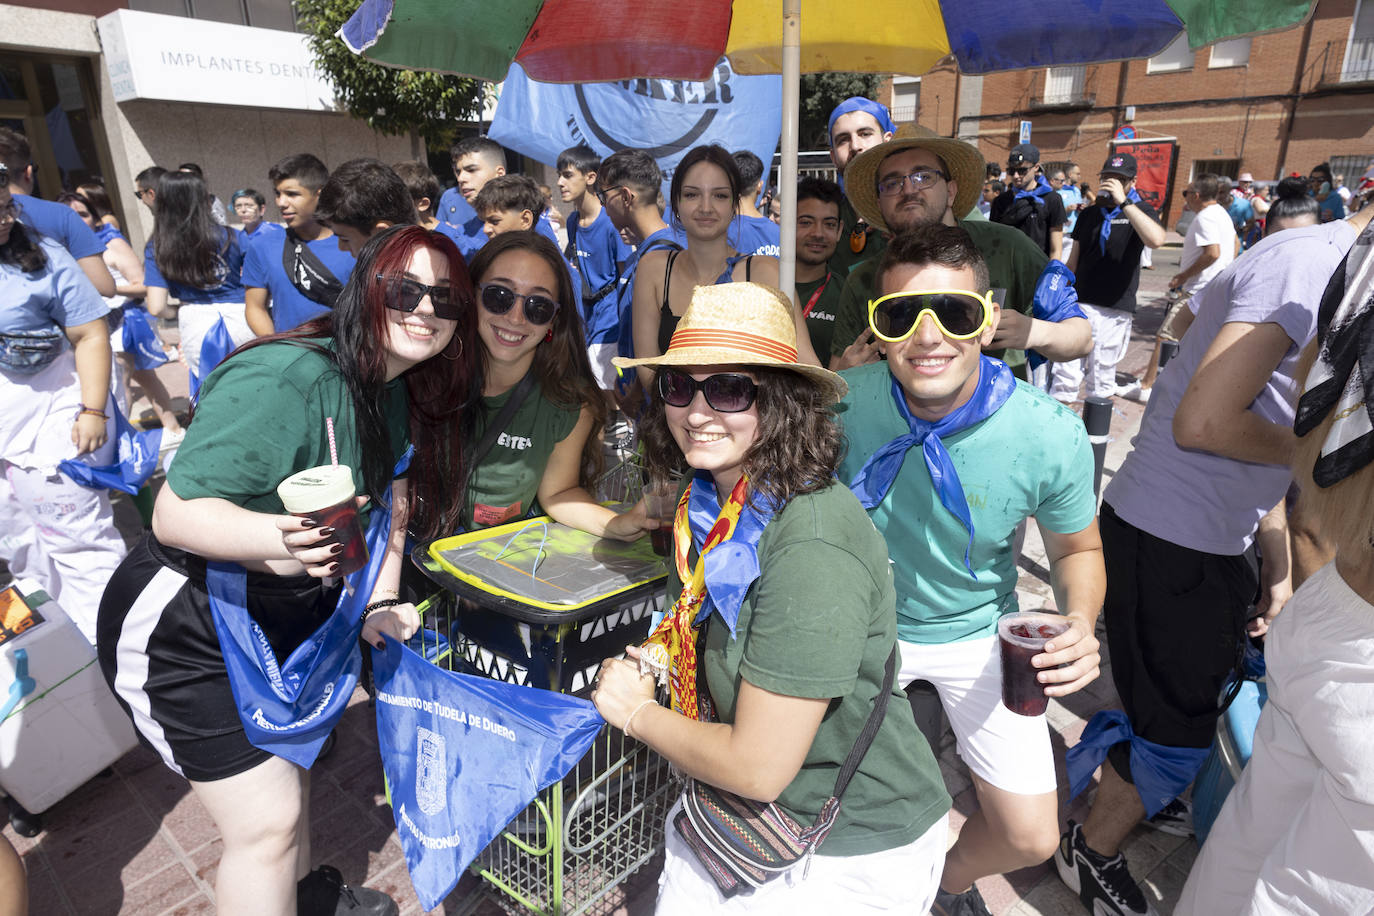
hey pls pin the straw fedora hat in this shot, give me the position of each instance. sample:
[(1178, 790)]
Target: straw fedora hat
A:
[(739, 324), (963, 160)]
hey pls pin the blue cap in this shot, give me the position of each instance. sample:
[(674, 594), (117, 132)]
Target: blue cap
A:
[(859, 103)]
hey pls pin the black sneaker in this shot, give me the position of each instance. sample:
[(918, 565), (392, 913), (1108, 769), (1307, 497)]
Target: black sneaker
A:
[(323, 893), (1104, 885), (969, 903), (1175, 819)]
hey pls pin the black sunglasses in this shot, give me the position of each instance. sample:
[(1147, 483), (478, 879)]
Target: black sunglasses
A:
[(404, 295), (1019, 170), (499, 299), (726, 392)]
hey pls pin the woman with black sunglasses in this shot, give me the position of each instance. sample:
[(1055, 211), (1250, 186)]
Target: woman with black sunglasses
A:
[(387, 369), (549, 451), (777, 657)]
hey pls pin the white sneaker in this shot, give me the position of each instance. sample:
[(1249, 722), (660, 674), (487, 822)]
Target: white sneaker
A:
[(1133, 392)]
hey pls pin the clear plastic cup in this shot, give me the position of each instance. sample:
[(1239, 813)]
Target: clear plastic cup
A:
[(1023, 636), (327, 496)]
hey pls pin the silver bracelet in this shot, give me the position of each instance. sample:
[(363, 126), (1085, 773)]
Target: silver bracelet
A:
[(630, 718)]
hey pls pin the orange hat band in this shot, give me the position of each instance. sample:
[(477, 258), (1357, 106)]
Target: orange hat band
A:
[(732, 340)]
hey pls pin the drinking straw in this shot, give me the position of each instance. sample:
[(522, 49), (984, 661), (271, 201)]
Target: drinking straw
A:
[(333, 447)]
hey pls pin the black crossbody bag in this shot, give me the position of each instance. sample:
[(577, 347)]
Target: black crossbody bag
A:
[(308, 273)]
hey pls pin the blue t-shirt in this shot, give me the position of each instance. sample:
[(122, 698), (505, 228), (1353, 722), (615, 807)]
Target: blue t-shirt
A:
[(452, 233), (1241, 212), (263, 269), (58, 294), (453, 209), (598, 252), (264, 230), (747, 235), (1331, 207), (60, 223), (229, 274), (1030, 458), (662, 239)]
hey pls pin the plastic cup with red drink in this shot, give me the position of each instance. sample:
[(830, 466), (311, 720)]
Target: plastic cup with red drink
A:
[(326, 496), (1023, 636), (660, 502)]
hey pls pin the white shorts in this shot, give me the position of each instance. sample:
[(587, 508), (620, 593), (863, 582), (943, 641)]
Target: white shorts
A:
[(901, 880), (195, 320), (600, 357), (1007, 751)]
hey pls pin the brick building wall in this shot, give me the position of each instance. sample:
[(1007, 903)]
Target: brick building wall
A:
[(1283, 111)]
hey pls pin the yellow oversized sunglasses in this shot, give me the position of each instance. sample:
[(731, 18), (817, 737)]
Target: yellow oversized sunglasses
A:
[(958, 313)]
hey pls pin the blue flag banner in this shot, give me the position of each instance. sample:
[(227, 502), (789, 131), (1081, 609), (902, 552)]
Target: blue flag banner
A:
[(136, 453), (665, 118), (463, 756)]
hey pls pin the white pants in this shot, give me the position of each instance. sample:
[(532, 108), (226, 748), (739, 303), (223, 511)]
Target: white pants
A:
[(195, 321), (1296, 835), (1009, 751), (1111, 336), (901, 880)]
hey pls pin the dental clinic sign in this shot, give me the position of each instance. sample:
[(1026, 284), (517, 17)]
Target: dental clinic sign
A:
[(176, 59)]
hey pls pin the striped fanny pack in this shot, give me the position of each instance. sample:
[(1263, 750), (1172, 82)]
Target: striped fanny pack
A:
[(746, 843)]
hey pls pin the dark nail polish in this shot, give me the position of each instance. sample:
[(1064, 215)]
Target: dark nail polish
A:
[(336, 550), (326, 532), (308, 523)]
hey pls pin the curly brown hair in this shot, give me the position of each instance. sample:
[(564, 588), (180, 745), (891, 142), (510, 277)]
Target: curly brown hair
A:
[(796, 450)]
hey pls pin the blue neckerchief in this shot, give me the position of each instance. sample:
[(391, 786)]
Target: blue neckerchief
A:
[(289, 708), (1036, 194), (1108, 215), (1055, 300), (875, 478), (731, 566), (1160, 773)]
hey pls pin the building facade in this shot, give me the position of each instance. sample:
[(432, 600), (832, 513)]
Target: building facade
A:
[(109, 87), (1272, 105)]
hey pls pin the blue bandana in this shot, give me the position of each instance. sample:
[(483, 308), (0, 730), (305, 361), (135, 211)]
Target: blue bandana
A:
[(875, 478), (1108, 215), (733, 565), (1038, 193), (859, 103)]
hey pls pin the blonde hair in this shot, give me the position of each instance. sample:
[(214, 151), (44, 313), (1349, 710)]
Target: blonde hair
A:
[(1343, 512)]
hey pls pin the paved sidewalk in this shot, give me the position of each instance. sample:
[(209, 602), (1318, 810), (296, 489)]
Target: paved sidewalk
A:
[(135, 841)]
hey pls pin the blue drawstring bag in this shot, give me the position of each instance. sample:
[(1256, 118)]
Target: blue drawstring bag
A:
[(136, 453), (289, 709), (216, 345), (141, 340)]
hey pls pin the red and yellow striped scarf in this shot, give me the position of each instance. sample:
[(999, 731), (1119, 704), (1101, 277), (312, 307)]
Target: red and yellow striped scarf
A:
[(676, 633)]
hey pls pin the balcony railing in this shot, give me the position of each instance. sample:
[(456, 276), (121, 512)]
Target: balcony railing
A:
[(1060, 88), (1346, 62)]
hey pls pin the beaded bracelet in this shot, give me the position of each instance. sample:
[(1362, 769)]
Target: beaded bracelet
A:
[(91, 410), (378, 605)]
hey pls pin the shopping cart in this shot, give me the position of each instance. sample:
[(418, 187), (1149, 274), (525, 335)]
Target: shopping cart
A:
[(540, 604)]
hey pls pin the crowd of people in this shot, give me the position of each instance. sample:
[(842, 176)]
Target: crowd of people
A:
[(472, 358)]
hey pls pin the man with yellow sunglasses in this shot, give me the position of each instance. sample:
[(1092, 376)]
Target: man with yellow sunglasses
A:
[(951, 453)]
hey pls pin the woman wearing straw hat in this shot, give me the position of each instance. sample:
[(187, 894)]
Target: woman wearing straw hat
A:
[(796, 631), (387, 368)]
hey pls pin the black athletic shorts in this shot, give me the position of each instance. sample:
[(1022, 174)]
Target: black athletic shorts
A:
[(160, 655), (1175, 621)]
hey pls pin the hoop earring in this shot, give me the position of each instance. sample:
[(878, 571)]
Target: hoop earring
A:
[(457, 356)]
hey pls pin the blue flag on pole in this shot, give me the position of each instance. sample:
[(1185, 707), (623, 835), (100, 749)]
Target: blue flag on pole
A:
[(463, 756), (665, 118)]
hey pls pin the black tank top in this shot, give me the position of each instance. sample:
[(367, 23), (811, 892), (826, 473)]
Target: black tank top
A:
[(667, 321)]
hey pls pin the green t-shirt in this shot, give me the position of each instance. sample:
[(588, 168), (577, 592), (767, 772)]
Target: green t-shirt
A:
[(505, 485), (1014, 264), (819, 623), (261, 418), (820, 320), (871, 243), (1030, 458)]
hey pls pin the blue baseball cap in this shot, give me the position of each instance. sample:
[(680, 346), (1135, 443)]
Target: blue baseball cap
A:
[(859, 103)]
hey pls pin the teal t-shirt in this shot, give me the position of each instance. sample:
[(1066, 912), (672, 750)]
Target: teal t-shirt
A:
[(1030, 458), (818, 623), (505, 486)]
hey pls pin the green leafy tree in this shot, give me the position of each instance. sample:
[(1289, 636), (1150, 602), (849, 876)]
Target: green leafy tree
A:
[(820, 93), (391, 101)]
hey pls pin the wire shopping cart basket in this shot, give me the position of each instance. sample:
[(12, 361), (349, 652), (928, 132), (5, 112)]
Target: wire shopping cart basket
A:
[(540, 604)]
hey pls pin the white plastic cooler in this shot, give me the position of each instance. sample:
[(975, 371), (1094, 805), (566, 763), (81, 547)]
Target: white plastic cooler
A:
[(61, 725)]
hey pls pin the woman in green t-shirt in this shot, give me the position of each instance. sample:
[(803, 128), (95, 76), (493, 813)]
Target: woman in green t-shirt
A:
[(549, 448), (389, 368), (794, 631)]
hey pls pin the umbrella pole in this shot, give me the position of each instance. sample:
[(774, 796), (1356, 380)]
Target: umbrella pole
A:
[(787, 173)]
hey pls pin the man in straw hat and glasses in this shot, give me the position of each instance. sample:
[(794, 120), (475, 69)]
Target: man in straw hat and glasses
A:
[(951, 454), (920, 179)]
